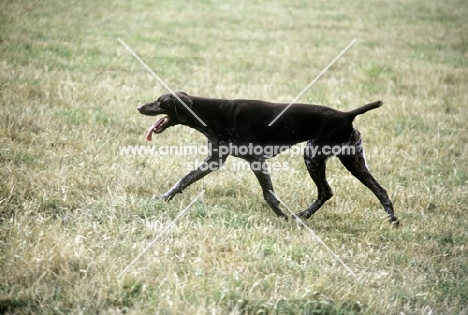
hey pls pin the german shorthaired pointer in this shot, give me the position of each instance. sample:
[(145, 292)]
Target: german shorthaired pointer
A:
[(236, 123)]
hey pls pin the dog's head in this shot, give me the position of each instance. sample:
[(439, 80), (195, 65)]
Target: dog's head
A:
[(175, 107)]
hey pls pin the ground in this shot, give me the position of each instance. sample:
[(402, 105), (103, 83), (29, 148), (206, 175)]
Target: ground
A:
[(77, 206)]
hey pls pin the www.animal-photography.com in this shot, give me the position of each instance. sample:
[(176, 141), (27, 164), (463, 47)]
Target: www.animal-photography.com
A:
[(213, 157)]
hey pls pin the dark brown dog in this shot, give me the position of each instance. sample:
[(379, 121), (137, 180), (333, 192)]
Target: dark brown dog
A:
[(236, 123)]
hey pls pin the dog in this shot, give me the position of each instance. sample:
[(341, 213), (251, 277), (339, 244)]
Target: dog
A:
[(236, 123)]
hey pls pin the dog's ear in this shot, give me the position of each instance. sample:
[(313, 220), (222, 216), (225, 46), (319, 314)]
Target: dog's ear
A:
[(181, 110)]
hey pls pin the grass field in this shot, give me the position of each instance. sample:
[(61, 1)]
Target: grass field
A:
[(75, 212)]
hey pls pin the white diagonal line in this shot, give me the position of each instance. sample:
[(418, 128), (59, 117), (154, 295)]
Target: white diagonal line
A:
[(313, 81), (167, 229), (161, 81), (314, 235)]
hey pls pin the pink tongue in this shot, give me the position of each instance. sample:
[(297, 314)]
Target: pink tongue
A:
[(149, 134), (156, 127)]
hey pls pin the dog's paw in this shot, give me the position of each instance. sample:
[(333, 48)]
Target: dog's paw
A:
[(300, 216), (166, 197), (283, 216), (395, 222)]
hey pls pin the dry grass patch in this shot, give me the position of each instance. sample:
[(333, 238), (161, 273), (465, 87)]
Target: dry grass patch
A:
[(75, 211)]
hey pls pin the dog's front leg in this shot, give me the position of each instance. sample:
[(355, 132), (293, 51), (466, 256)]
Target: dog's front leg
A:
[(260, 169), (212, 163)]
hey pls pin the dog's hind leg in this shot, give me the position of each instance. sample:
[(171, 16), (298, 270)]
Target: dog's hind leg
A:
[(356, 164), (316, 166)]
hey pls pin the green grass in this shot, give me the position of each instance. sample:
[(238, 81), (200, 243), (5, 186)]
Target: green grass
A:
[(74, 212)]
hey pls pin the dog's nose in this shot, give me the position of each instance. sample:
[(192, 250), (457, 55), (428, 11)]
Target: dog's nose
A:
[(140, 106)]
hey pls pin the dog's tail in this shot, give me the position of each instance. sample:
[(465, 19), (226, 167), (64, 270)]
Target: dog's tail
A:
[(361, 110)]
